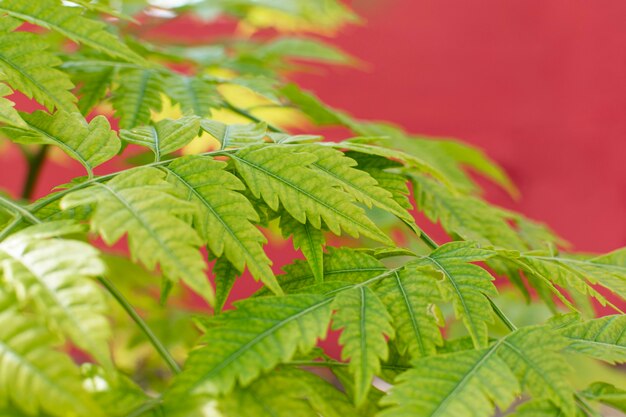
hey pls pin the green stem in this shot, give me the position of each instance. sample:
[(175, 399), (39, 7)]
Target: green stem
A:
[(18, 209), (160, 348), (35, 162), (250, 116)]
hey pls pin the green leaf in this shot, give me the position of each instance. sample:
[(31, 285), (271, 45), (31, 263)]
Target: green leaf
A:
[(468, 383), (287, 393), (603, 338), (254, 338), (542, 408), (223, 216), (465, 284), (195, 95), (365, 323), (165, 136), (235, 136), (93, 85), (468, 217), (34, 376), (309, 240), (91, 144), (28, 67), (142, 204), (408, 296), (225, 276), (69, 22), (340, 265), (138, 93), (303, 48), (278, 174), (8, 114), (341, 170), (533, 354), (55, 276), (606, 394)]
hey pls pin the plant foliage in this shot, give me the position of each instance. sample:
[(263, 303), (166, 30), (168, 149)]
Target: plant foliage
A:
[(210, 172)]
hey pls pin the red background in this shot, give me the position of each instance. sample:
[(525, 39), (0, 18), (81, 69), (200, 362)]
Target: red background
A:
[(539, 84)]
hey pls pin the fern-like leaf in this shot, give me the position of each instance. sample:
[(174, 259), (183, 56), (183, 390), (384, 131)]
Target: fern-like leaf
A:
[(467, 383), (309, 240), (606, 394), (225, 276), (533, 354), (286, 393), (93, 85), (8, 114), (465, 284), (138, 93), (341, 171), (252, 339), (142, 204), (603, 338), (223, 216), (69, 22), (408, 296), (55, 275), (91, 144), (279, 174), (165, 136), (340, 265), (27, 66), (195, 95), (35, 377), (365, 323), (235, 136)]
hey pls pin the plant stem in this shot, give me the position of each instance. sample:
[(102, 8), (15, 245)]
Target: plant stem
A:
[(160, 348), (18, 209), (35, 162), (250, 116)]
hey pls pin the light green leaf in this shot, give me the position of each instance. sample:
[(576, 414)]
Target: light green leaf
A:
[(533, 354), (408, 296), (142, 204), (465, 284), (359, 184), (56, 276), (195, 95), (8, 114), (603, 338), (138, 93), (309, 240), (225, 276), (469, 383), (235, 136), (280, 174), (606, 394), (223, 216), (340, 265), (366, 324), (254, 338), (303, 48), (69, 22), (34, 376), (28, 67), (165, 136), (91, 144)]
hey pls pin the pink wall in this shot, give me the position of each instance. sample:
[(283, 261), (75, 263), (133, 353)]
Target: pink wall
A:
[(539, 84)]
